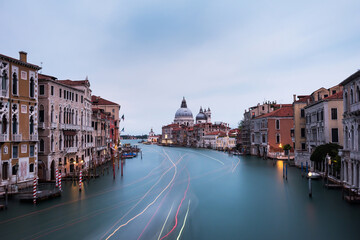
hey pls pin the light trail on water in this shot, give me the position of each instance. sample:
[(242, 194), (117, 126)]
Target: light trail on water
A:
[(133, 218), (186, 215)]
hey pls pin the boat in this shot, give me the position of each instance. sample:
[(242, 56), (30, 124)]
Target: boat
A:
[(314, 175)]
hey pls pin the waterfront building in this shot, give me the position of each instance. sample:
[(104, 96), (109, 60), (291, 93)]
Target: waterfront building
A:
[(319, 99), (167, 133), (323, 122), (101, 135), (210, 139), (271, 131), (152, 138), (247, 124), (114, 110), (350, 155), (64, 133), (18, 119)]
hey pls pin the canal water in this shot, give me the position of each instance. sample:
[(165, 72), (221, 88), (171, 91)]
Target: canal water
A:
[(183, 193)]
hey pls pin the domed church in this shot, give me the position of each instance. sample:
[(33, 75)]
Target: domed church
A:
[(204, 116), (183, 115)]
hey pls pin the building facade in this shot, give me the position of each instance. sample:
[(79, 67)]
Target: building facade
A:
[(18, 119), (350, 155)]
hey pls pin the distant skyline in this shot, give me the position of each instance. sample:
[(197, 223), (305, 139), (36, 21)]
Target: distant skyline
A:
[(226, 55)]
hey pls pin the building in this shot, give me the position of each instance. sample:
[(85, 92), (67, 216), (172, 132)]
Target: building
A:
[(101, 135), (114, 110), (183, 115), (65, 136), (350, 155), (271, 131), (18, 119), (319, 100), (247, 124)]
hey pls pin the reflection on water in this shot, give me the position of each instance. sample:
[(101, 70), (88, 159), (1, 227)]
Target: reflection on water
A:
[(188, 194)]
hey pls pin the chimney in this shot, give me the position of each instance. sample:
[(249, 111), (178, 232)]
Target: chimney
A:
[(23, 56), (294, 97)]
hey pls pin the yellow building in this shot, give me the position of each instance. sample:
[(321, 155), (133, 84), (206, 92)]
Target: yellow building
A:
[(18, 119)]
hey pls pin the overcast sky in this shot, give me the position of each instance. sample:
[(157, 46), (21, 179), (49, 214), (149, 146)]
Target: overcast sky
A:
[(227, 55)]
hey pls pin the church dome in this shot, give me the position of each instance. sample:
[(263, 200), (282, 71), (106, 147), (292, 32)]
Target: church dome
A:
[(183, 111), (201, 115)]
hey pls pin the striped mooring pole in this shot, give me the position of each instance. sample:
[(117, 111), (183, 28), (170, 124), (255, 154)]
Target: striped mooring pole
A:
[(34, 190), (80, 180), (56, 178), (60, 181)]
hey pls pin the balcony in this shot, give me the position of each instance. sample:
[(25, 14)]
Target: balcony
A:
[(3, 137), (61, 125), (41, 125), (4, 93), (53, 125), (17, 137), (71, 150), (34, 137), (70, 127), (355, 107)]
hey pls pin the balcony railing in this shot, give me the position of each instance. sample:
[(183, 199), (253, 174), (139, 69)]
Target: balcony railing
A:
[(3, 137), (72, 150), (71, 127), (34, 137), (4, 93), (53, 125), (17, 137), (41, 125)]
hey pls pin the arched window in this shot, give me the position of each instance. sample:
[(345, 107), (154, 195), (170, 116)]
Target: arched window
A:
[(32, 87), (345, 102), (60, 142), (31, 125), (52, 114), (65, 115), (352, 138), (277, 124), (41, 114), (76, 141), (351, 97), (277, 138), (3, 81), (346, 142), (4, 125), (15, 124), (60, 115), (357, 94), (52, 143), (42, 145), (15, 84)]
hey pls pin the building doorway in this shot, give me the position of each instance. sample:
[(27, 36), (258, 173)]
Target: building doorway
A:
[(5, 170), (41, 170), (52, 170)]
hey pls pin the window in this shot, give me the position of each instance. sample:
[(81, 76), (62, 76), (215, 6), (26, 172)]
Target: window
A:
[(32, 150), (15, 151), (322, 115), (41, 114), (52, 90), (334, 135), (303, 146), (333, 91), (64, 94), (277, 123), (302, 132), (4, 81), (14, 126), (32, 87), (42, 90), (72, 96), (317, 116), (59, 92), (76, 97), (42, 145), (277, 138), (15, 169), (302, 113), (82, 99), (31, 125), (334, 113), (351, 97), (31, 167), (15, 84)]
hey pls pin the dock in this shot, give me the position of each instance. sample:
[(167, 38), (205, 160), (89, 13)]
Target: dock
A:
[(41, 195)]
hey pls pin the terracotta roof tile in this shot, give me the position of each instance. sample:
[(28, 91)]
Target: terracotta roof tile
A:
[(303, 99), (338, 95), (287, 111), (96, 100), (73, 83), (46, 77)]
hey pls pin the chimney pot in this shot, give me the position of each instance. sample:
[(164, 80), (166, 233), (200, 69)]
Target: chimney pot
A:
[(294, 97), (23, 56)]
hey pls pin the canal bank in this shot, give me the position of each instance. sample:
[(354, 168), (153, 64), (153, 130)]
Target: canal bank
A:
[(227, 197)]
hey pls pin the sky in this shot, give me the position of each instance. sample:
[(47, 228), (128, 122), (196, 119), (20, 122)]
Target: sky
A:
[(147, 55)]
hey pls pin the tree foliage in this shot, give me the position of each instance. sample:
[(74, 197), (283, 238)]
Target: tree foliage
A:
[(320, 152)]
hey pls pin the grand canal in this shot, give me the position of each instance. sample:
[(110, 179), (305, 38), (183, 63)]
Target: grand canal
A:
[(182, 193)]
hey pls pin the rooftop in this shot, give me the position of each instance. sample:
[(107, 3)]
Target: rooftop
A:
[(97, 100)]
